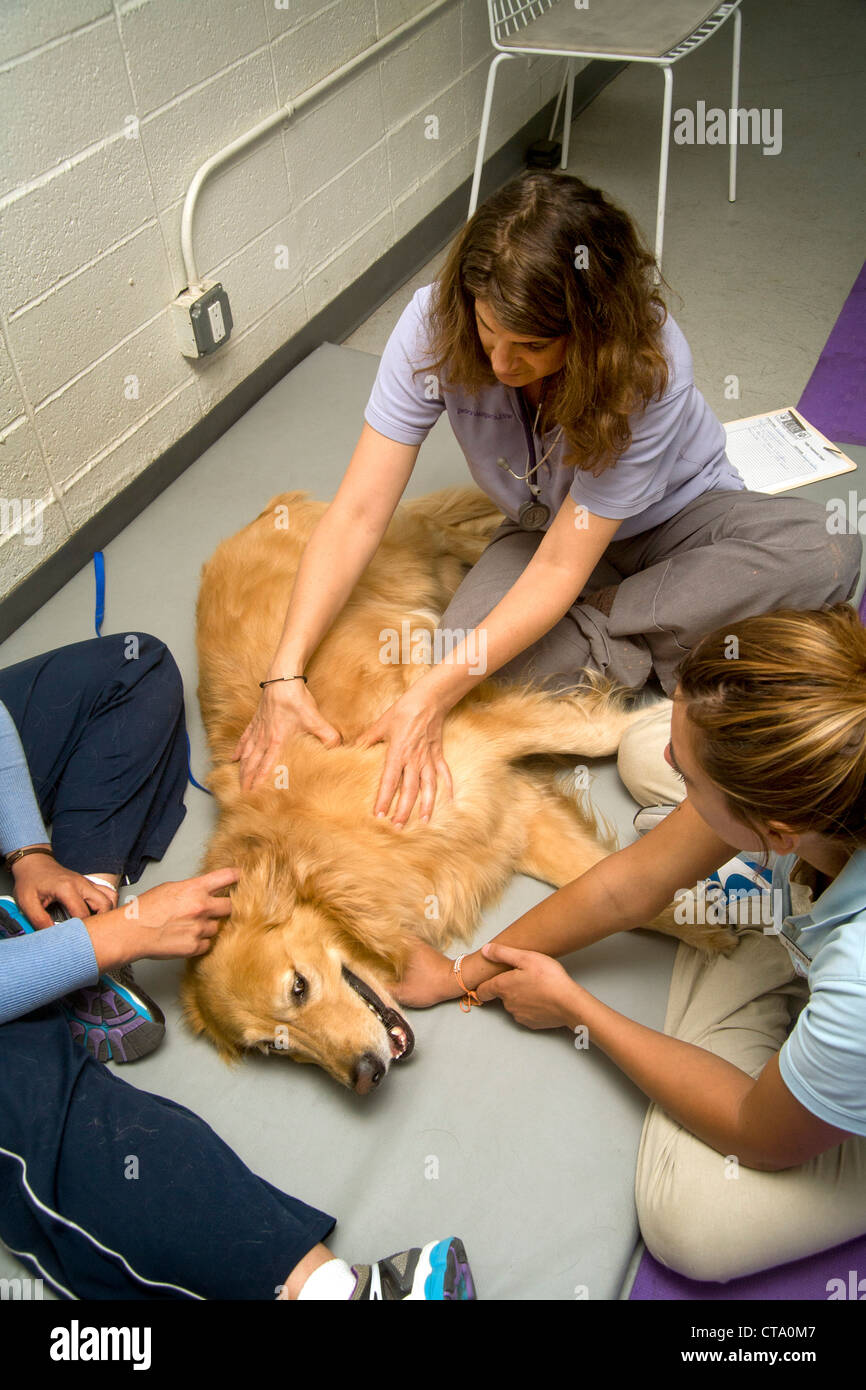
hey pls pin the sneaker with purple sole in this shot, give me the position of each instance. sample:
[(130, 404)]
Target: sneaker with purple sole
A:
[(114, 1019)]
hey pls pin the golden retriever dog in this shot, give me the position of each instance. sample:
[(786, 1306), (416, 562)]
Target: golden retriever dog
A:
[(330, 898)]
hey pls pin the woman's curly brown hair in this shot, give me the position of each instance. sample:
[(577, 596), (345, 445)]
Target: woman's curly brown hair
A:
[(518, 253)]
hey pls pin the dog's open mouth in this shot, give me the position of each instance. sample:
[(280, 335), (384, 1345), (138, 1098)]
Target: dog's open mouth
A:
[(400, 1035)]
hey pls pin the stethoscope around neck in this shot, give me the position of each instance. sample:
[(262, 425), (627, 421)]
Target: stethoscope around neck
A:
[(533, 514)]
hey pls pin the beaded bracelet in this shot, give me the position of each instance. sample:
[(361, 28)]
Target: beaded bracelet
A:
[(469, 995)]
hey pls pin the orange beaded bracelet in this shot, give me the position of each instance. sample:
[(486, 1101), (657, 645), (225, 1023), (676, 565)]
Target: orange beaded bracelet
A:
[(469, 995)]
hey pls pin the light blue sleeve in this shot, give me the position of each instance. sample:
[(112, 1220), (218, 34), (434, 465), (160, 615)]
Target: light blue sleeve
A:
[(402, 406), (43, 966), (20, 819), (823, 1061)]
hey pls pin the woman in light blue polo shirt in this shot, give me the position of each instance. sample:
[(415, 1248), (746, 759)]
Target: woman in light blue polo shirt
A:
[(628, 533), (753, 1150)]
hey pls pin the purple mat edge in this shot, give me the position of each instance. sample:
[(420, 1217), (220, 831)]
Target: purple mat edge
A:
[(806, 1279), (834, 400)]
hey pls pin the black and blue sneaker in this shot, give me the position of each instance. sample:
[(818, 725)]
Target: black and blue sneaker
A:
[(435, 1272), (743, 891), (114, 1019)]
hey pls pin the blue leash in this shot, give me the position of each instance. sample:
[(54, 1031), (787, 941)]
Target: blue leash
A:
[(99, 617), (99, 567), (189, 770)]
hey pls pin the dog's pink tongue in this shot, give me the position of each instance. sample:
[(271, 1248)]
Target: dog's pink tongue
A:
[(398, 1040)]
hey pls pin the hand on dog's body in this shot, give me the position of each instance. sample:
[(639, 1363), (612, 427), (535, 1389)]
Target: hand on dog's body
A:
[(172, 920), (286, 708), (337, 552), (412, 727), (538, 599)]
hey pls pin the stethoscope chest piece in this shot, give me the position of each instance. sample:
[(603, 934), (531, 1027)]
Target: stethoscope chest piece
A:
[(533, 516)]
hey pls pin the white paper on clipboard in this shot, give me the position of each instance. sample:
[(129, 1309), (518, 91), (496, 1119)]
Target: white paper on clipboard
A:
[(782, 450)]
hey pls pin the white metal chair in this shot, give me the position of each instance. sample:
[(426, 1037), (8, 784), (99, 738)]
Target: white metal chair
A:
[(635, 31)]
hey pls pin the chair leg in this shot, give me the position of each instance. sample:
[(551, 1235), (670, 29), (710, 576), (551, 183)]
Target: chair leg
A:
[(562, 85), (733, 123), (569, 108), (485, 123), (663, 162)]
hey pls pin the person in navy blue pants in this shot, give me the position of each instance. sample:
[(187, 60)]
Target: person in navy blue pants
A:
[(108, 1191), (111, 1192), (102, 724), (103, 729)]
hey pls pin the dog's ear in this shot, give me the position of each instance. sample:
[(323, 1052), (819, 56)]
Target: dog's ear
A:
[(200, 1019), (265, 892), (361, 912)]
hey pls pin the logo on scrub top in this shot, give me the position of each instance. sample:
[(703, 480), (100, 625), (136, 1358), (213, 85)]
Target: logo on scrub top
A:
[(486, 414)]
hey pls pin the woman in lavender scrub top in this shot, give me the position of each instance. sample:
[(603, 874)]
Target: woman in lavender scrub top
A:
[(628, 532)]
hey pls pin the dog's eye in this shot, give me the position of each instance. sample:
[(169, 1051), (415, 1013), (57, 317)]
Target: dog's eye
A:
[(299, 988)]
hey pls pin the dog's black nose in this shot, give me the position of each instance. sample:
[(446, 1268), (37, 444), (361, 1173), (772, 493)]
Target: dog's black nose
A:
[(368, 1073)]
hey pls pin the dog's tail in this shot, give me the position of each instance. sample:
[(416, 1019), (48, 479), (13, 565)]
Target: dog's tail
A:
[(464, 517)]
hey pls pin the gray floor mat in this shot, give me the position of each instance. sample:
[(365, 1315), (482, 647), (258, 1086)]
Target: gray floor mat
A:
[(535, 1141)]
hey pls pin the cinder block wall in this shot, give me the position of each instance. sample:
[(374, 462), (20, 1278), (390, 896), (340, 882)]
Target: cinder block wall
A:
[(106, 112)]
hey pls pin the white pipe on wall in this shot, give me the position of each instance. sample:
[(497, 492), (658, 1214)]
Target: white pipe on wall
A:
[(223, 156)]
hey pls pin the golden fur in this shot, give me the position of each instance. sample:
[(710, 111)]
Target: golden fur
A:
[(325, 887)]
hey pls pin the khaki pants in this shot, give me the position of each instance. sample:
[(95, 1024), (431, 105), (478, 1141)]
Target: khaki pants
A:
[(640, 759), (699, 1213)]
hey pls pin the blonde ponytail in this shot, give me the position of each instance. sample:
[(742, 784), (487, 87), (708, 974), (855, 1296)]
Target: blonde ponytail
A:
[(777, 704)]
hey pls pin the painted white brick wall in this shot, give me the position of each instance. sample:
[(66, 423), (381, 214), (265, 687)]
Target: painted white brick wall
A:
[(106, 111)]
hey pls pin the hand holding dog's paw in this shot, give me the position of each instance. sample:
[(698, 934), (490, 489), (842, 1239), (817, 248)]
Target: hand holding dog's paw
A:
[(536, 991)]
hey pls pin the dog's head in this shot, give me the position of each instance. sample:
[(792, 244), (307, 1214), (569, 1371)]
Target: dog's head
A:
[(302, 969)]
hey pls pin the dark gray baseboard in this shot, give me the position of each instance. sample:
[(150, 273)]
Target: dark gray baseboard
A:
[(333, 324)]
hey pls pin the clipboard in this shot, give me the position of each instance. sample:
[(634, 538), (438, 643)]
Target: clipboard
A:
[(781, 450)]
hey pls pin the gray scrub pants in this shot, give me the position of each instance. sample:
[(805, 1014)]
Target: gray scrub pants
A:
[(725, 556)]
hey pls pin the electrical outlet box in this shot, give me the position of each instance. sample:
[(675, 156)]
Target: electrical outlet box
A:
[(202, 319)]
